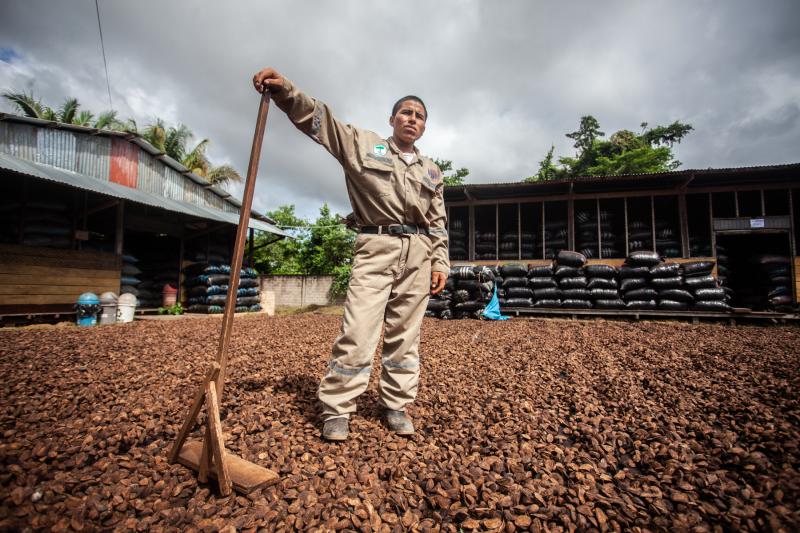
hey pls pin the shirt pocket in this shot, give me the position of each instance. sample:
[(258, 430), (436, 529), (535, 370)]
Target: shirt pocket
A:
[(423, 193), (377, 176)]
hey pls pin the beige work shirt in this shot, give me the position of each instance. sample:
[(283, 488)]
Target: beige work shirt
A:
[(383, 188)]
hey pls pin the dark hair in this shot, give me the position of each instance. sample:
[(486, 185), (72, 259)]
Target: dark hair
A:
[(405, 99)]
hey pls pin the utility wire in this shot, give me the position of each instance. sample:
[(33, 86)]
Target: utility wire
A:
[(103, 48)]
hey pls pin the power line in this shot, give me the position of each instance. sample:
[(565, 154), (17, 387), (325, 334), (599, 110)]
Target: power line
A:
[(103, 47)]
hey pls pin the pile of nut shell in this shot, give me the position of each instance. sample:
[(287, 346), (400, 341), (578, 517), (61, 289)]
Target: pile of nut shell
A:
[(535, 425)]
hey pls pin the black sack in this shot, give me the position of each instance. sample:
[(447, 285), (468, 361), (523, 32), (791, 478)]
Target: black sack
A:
[(573, 283), (629, 284), (712, 305), (576, 304), (615, 303), (600, 271), (546, 294), (515, 282), (547, 303), (666, 283), (513, 270), (518, 302), (564, 271), (678, 295), (643, 258), (645, 293), (665, 270), (602, 283), (716, 293), (576, 294), (697, 268), (627, 271), (438, 305), (604, 294), (641, 304), (540, 271), (700, 282), (672, 305), (518, 292), (542, 283), (569, 258)]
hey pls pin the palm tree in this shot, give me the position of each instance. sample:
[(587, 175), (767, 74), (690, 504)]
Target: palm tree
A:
[(68, 113)]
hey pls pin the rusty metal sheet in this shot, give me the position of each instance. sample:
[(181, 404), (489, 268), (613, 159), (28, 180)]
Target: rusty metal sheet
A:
[(124, 163)]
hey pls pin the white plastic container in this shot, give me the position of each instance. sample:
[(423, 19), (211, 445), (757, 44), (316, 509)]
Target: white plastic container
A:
[(126, 307), (108, 306)]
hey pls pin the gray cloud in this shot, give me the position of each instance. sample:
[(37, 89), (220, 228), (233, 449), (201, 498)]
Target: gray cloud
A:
[(502, 80)]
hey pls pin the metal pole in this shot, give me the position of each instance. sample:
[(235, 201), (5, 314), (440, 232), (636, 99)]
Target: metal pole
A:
[(241, 234)]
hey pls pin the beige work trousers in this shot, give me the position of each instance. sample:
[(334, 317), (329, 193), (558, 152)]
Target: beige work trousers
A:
[(389, 285)]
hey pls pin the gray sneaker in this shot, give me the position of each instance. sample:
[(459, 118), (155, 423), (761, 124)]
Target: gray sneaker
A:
[(336, 429), (399, 422)]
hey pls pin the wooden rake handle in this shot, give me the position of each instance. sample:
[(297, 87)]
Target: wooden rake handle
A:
[(241, 237)]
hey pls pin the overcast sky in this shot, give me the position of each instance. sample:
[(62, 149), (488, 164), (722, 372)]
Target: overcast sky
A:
[(502, 80)]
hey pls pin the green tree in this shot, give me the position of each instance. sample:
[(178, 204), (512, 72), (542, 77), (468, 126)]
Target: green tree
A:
[(547, 169), (174, 141), (625, 152), (457, 177), (329, 245), (68, 113), (283, 256)]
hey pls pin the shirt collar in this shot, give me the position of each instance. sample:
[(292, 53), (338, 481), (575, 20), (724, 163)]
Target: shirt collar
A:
[(396, 150)]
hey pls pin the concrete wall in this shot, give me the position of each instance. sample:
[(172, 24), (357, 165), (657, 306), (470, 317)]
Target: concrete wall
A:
[(299, 291)]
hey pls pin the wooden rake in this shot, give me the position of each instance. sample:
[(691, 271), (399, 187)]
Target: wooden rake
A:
[(208, 457)]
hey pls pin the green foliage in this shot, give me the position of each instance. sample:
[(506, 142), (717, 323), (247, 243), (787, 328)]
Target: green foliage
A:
[(281, 257), (341, 280), (328, 245), (625, 152), (176, 309), (547, 170), (457, 177), (322, 247)]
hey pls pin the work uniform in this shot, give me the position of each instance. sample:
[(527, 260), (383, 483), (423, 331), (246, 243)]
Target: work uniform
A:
[(391, 276)]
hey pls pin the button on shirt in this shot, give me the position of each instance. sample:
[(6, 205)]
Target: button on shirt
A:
[(383, 188)]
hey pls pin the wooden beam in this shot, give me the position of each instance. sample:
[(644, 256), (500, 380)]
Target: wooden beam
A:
[(102, 206), (119, 235)]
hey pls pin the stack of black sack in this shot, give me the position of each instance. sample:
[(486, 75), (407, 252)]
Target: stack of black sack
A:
[(485, 245), (774, 281), (439, 305), (457, 235), (708, 295), (572, 280), (466, 293), (603, 286), (208, 286), (667, 280), (544, 286), (634, 277), (513, 287)]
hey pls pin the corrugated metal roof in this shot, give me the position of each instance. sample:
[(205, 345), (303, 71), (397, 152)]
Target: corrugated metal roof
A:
[(81, 181), (56, 149), (591, 184)]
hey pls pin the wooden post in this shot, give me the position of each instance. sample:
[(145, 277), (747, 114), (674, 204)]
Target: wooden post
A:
[(119, 233), (238, 250)]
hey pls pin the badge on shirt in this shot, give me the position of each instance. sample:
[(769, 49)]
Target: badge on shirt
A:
[(379, 149)]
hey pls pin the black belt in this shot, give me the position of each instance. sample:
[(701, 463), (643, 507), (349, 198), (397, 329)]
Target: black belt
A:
[(394, 229)]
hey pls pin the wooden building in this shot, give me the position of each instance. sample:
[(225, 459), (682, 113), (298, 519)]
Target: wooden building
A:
[(735, 216), (93, 210)]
